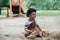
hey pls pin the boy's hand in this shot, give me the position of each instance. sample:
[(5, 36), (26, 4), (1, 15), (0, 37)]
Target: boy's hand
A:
[(39, 28), (29, 31)]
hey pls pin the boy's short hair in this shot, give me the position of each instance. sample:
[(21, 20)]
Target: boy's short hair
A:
[(29, 11)]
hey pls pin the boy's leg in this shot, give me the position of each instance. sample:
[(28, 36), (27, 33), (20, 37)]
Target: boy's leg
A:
[(38, 32), (27, 34), (34, 33)]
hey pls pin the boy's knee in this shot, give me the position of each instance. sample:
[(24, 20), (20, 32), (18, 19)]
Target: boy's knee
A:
[(35, 32), (26, 34)]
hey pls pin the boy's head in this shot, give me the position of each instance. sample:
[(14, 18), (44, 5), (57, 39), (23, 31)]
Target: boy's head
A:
[(31, 13)]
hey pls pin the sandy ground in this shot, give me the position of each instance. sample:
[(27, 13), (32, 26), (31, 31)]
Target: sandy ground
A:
[(13, 28)]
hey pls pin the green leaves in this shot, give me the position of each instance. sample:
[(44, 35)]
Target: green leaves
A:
[(44, 4), (4, 2)]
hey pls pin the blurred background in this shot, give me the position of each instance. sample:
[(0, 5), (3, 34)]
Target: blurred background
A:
[(48, 16), (43, 7)]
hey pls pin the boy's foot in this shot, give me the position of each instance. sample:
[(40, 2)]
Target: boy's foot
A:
[(31, 36), (38, 35)]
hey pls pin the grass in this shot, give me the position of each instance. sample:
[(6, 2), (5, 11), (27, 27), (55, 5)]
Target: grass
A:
[(41, 13), (4, 12), (48, 13)]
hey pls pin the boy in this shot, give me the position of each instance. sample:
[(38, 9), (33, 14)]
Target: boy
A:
[(31, 26)]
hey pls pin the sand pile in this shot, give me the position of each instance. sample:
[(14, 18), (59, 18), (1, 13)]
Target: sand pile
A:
[(49, 36)]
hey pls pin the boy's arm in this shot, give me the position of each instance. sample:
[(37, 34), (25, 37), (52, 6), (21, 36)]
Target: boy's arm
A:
[(39, 27), (26, 28)]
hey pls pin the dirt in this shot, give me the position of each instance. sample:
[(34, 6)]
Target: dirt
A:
[(13, 28)]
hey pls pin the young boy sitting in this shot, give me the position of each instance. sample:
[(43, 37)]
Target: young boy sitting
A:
[(31, 25)]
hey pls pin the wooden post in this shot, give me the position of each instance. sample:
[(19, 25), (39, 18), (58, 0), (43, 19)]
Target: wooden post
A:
[(7, 12), (15, 4), (20, 14), (10, 14)]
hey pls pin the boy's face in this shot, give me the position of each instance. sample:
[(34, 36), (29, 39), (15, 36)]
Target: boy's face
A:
[(32, 15)]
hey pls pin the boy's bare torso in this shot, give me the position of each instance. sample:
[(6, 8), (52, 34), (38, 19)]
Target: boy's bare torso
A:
[(32, 25)]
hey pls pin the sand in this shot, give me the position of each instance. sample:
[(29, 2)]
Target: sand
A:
[(13, 28)]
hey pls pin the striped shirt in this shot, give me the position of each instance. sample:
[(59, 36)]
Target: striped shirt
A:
[(28, 23)]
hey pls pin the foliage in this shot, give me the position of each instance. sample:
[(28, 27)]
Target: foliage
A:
[(4, 2), (44, 4)]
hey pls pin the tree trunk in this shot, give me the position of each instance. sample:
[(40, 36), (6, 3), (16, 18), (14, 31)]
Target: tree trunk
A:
[(0, 11)]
